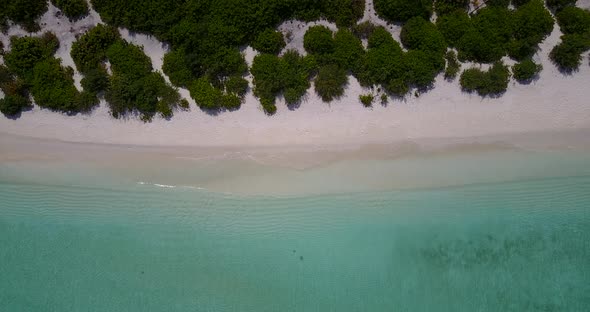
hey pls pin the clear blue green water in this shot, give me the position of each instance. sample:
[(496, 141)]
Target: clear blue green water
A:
[(520, 245)]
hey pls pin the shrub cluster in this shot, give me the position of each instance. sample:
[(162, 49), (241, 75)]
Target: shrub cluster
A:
[(526, 70), (34, 69), (366, 99), (73, 9), (205, 36), (492, 82), (22, 12), (496, 31), (287, 75), (16, 95), (575, 24), (133, 87)]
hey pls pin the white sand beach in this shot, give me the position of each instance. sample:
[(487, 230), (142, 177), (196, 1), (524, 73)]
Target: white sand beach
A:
[(554, 102)]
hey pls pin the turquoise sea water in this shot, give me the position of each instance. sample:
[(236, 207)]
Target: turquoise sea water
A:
[(519, 245)]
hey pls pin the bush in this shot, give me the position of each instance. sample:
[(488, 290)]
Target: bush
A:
[(453, 26), (573, 20), (568, 54), (12, 105), (73, 9), (381, 38), (453, 66), (422, 35), (526, 70), (492, 82), (269, 41), (367, 99), (25, 53), (400, 11), (330, 82), (318, 40)]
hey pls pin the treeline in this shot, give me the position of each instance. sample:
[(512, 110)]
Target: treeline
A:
[(205, 37), (133, 86)]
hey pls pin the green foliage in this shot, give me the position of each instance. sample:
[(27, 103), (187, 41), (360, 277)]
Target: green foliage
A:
[(23, 12), (288, 75), (453, 66), (51, 85), (269, 41), (568, 54), (348, 50), (363, 30), (12, 105), (486, 42), (422, 35), (384, 99), (25, 53), (318, 40), (382, 62), (206, 96), (176, 68), (381, 38), (573, 20), (454, 25), (330, 82), (526, 70), (442, 7), (558, 5), (492, 82), (531, 24), (421, 68), (73, 9), (16, 97), (400, 11), (366, 99), (237, 85), (95, 80), (89, 51)]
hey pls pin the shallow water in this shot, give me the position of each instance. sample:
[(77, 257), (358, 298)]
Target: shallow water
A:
[(517, 245)]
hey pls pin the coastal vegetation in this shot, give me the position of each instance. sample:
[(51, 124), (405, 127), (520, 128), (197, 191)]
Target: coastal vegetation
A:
[(206, 40), (22, 12), (526, 70), (575, 24), (492, 82), (31, 67), (133, 86)]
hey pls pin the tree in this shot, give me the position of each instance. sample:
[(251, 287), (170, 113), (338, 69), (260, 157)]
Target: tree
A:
[(558, 5), (330, 82), (89, 51), (176, 68), (348, 50), (442, 7)]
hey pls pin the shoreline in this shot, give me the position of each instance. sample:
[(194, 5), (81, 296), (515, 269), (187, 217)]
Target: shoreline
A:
[(293, 171)]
